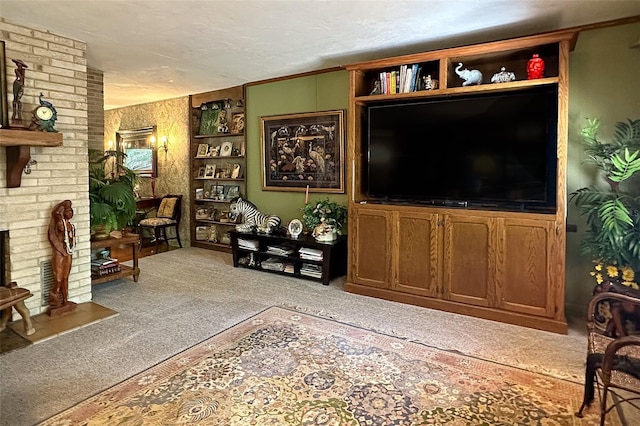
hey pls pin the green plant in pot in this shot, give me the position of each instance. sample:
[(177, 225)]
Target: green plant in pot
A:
[(324, 217), (112, 202), (613, 210)]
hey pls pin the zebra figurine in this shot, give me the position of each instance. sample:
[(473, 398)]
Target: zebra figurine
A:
[(252, 218)]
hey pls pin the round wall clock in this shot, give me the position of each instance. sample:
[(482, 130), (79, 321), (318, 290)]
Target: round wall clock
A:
[(295, 228)]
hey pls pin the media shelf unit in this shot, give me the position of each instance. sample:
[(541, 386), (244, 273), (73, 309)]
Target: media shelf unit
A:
[(499, 265), (231, 100), (332, 265)]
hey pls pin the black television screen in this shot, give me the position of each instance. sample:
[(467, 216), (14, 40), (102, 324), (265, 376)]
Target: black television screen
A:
[(485, 150)]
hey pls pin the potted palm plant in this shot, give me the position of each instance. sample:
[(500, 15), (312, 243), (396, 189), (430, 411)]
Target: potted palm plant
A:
[(613, 210), (112, 202)]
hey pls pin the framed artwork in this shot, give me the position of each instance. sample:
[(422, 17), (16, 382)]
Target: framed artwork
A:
[(201, 172), (303, 149), (231, 192), (210, 171), (217, 192), (199, 193), (210, 118), (4, 106), (226, 149), (237, 122), (203, 150)]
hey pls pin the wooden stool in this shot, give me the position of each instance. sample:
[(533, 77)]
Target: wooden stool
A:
[(14, 296)]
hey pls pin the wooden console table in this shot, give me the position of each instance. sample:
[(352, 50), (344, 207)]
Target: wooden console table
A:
[(134, 241), (333, 263)]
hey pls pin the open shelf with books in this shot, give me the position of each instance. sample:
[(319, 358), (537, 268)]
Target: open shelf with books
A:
[(218, 164), (301, 257)]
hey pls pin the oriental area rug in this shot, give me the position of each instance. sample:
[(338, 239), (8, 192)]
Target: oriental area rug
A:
[(283, 367)]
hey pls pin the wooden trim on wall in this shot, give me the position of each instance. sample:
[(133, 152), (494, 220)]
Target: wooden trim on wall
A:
[(292, 76)]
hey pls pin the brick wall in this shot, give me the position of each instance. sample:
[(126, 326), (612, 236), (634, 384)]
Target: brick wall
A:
[(57, 67), (95, 107)]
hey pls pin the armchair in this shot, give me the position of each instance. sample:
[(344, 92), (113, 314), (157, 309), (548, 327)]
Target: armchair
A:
[(613, 363)]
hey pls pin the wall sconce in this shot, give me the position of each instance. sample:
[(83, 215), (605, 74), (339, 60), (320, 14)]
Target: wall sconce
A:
[(165, 145), (152, 141), (110, 145)]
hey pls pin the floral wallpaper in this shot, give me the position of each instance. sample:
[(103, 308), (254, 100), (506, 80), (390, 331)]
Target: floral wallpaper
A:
[(172, 120)]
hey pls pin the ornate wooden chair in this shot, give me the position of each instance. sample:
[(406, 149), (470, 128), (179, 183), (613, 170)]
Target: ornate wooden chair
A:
[(613, 363), (168, 216)]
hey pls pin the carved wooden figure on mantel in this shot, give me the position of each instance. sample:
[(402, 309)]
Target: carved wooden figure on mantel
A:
[(18, 91), (62, 236)]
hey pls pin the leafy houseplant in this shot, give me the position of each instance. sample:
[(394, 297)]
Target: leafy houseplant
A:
[(112, 202), (613, 213), (330, 212)]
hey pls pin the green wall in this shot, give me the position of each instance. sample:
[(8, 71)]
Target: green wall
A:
[(604, 82), (320, 92)]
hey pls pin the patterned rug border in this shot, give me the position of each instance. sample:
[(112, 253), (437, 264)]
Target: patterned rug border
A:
[(319, 315), (534, 368)]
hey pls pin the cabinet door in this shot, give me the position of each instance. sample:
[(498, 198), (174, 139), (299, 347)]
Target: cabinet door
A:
[(524, 279), (416, 254), (469, 260), (371, 249)]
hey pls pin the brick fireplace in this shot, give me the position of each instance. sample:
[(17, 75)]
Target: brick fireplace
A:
[(57, 68)]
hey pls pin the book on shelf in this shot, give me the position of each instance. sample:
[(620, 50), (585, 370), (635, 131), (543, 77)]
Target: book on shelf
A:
[(107, 270), (307, 253), (252, 245), (284, 249), (272, 264), (309, 270), (403, 80)]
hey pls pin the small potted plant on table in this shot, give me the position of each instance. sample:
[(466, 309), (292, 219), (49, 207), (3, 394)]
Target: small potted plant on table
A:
[(325, 219)]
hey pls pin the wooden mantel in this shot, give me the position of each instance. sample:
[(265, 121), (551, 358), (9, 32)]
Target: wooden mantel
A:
[(18, 143)]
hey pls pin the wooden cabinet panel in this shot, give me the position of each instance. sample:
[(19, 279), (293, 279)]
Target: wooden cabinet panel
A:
[(469, 260), (416, 249), (372, 251), (524, 274)]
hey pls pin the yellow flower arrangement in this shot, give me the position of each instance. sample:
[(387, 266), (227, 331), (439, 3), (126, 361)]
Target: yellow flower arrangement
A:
[(614, 273)]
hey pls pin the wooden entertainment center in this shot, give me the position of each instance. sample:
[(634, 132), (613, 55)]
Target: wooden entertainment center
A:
[(489, 263)]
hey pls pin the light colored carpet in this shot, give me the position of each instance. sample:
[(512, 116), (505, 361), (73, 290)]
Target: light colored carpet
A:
[(185, 296)]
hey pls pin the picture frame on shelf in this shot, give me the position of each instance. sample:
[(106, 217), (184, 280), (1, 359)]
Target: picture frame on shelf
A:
[(209, 119), (201, 172), (210, 171), (226, 149), (231, 192), (199, 193), (202, 233), (237, 123), (203, 150), (300, 150), (217, 192), (214, 151)]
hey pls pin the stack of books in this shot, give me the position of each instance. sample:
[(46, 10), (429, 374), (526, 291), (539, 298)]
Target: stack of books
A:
[(272, 264), (289, 268), (310, 254), (248, 244), (314, 271), (106, 266), (404, 80), (280, 250)]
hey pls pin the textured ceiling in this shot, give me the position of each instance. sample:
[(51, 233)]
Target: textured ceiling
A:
[(151, 50)]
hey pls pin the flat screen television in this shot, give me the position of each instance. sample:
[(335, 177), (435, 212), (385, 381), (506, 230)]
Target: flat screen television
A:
[(493, 150)]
